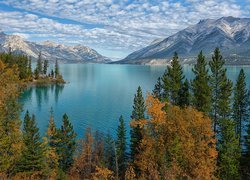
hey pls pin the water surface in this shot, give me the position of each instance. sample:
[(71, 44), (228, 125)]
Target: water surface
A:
[(97, 95)]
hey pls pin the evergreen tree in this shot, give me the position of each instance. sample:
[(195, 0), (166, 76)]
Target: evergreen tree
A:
[(39, 66), (51, 145), (246, 155), (184, 95), (56, 69), (66, 144), (229, 151), (174, 79), (29, 68), (221, 89), (165, 86), (45, 66), (32, 160), (109, 153), (138, 113), (240, 105), (52, 73), (36, 73), (157, 92), (121, 147), (200, 86)]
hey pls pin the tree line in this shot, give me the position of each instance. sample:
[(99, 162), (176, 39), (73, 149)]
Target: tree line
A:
[(39, 75), (184, 129)]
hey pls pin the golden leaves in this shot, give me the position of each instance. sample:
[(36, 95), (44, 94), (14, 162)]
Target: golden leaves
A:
[(176, 140)]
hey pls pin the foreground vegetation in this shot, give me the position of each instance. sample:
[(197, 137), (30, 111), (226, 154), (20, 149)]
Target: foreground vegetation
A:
[(197, 129)]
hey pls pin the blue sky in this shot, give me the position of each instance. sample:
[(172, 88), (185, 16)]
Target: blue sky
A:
[(114, 28)]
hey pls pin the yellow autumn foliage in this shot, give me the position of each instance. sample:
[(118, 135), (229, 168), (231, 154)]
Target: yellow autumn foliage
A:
[(177, 143)]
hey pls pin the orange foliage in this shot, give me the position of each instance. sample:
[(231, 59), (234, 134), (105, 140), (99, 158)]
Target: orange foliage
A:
[(10, 133), (102, 174), (130, 173), (176, 143)]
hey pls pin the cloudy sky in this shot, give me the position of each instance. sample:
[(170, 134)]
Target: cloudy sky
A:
[(112, 27)]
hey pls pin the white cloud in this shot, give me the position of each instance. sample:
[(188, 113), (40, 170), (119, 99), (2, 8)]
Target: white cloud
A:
[(119, 24)]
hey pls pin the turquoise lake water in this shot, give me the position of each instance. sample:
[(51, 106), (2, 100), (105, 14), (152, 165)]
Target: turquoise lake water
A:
[(97, 94)]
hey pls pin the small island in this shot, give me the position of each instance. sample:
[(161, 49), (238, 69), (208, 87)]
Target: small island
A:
[(41, 75)]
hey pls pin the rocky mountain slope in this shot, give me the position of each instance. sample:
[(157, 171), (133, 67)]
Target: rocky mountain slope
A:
[(230, 34), (51, 51)]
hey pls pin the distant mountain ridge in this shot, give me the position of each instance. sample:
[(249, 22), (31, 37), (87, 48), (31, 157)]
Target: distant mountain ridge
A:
[(50, 50), (230, 34)]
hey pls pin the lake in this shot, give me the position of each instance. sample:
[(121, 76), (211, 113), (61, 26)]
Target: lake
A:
[(97, 94)]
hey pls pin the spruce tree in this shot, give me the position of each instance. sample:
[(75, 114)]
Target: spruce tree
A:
[(221, 89), (52, 73), (165, 86), (32, 160), (240, 105), (109, 152), (29, 68), (184, 95), (246, 155), (200, 86), (138, 113), (229, 151), (121, 147), (175, 77), (51, 145), (56, 69), (45, 66), (39, 66), (66, 145), (157, 92)]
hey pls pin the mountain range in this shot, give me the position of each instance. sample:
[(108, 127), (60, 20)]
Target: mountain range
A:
[(50, 50), (230, 34)]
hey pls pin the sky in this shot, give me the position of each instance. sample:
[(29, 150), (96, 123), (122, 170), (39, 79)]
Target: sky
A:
[(114, 28)]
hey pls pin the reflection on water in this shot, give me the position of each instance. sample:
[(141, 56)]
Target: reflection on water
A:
[(42, 94), (97, 94)]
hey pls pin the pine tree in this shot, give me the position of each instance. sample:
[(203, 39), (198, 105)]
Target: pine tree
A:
[(157, 92), (32, 160), (51, 145), (246, 155), (29, 68), (221, 89), (229, 151), (109, 153), (39, 66), (184, 95), (165, 86), (52, 73), (56, 69), (138, 113), (240, 105), (175, 77), (66, 144), (200, 86), (121, 147), (45, 66)]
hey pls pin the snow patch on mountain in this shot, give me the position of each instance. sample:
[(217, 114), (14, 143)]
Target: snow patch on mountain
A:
[(230, 34), (50, 50)]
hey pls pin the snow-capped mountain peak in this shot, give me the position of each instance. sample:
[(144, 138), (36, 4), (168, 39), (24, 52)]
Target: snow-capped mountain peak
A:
[(50, 50), (230, 34)]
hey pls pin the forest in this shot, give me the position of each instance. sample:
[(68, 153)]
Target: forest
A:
[(183, 129)]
